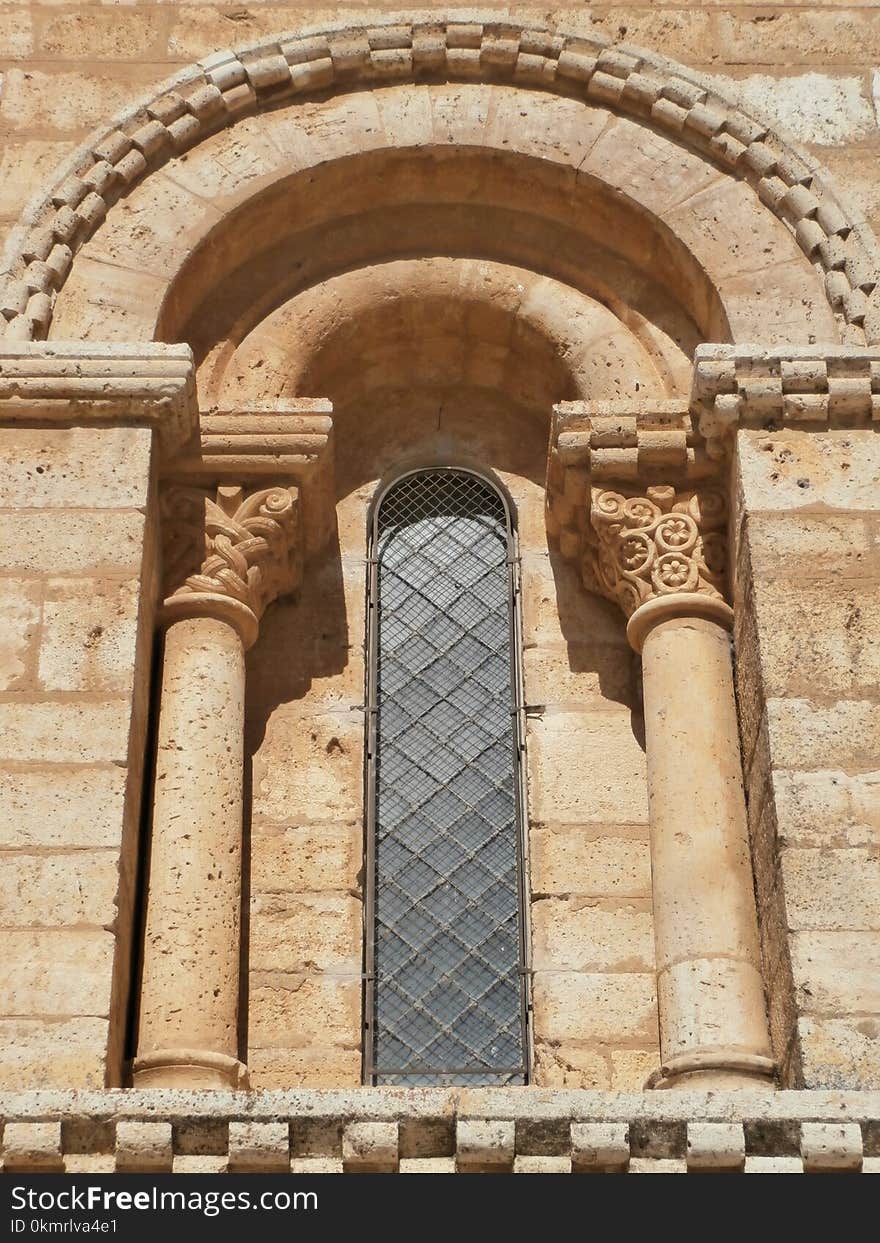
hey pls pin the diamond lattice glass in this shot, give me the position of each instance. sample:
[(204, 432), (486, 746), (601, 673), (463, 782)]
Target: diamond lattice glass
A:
[(447, 951)]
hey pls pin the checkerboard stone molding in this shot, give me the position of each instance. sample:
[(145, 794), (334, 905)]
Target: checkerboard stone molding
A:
[(464, 45), (384, 1130)]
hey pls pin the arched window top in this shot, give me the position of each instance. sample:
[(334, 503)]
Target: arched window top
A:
[(445, 996)]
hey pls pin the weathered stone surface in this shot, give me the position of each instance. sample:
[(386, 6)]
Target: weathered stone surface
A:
[(58, 805), (74, 468), (834, 889), (583, 1006), (56, 973), (581, 935), (20, 601), (46, 891), (590, 862), (89, 635), (64, 733)]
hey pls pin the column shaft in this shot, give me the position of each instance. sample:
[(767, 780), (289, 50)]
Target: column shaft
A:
[(188, 1024), (713, 1024)]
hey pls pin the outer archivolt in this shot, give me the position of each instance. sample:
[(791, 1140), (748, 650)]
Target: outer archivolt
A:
[(229, 85)]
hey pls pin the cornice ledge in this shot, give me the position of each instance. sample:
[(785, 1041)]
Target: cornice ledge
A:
[(67, 383), (288, 438), (809, 388)]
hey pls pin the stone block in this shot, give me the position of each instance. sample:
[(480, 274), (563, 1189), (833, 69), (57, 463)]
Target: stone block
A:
[(580, 935), (845, 734), (20, 601), (89, 635), (58, 805), (64, 733), (599, 1147), (837, 973), (56, 973), (584, 675), (306, 858), (286, 1009), (831, 1147), (309, 1067), (370, 1148), (813, 546), (569, 1065), (819, 639), (793, 471), (306, 932), (427, 1165), (715, 1148), (590, 862), (59, 100), (143, 1147), (101, 34), (316, 1165), (81, 543), (630, 1068), (832, 889), (827, 808), (586, 768), (541, 1165), (53, 1053), (32, 1147), (317, 765), (484, 1147), (259, 1148), (46, 891), (74, 468), (840, 1053), (586, 1007)]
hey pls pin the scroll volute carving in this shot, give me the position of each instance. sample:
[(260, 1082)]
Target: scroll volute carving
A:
[(655, 543), (232, 553)]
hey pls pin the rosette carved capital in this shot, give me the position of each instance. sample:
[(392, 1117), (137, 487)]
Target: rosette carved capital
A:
[(657, 543), (232, 555)]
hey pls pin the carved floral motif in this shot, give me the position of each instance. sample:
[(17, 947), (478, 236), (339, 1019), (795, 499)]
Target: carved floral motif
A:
[(657, 543), (246, 550)]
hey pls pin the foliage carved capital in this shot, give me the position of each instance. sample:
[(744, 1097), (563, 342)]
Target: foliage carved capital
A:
[(230, 557), (657, 543)]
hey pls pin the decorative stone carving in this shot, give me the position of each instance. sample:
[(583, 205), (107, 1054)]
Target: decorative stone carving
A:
[(660, 543), (236, 554), (228, 85)]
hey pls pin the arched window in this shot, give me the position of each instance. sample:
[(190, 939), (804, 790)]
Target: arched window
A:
[(446, 997)]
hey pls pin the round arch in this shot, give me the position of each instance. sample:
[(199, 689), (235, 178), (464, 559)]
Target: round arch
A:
[(667, 180)]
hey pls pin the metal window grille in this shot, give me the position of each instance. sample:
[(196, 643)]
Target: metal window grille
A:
[(446, 996)]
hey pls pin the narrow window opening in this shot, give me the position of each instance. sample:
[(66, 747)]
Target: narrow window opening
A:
[(446, 998)]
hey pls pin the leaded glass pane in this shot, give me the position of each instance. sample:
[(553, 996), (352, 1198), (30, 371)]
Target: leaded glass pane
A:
[(447, 990)]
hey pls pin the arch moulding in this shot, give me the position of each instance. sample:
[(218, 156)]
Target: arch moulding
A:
[(464, 47)]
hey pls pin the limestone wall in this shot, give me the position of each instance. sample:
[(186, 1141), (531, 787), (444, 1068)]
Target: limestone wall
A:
[(808, 648), (77, 588)]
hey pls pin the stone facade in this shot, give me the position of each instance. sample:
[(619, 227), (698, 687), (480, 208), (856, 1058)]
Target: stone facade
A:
[(618, 258)]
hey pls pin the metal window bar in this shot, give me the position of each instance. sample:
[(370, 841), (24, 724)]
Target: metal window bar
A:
[(447, 996)]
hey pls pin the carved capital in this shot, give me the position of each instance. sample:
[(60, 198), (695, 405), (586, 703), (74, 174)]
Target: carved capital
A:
[(234, 554), (661, 542)]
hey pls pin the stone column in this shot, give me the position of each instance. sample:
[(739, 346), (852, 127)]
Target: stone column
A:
[(661, 557), (188, 1018)]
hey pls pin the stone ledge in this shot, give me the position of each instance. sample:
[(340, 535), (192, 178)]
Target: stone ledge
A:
[(529, 1130), (69, 383)]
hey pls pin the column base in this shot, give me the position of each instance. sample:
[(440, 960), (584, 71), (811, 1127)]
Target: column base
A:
[(716, 1068), (188, 1068)]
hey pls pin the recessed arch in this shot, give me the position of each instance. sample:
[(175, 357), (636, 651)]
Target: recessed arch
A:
[(327, 93)]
